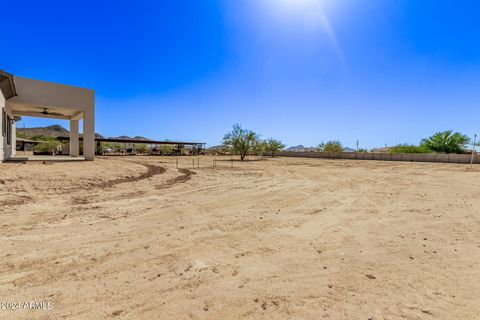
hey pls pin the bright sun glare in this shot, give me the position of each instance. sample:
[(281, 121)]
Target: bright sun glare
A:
[(311, 14), (297, 2), (302, 9), (300, 4)]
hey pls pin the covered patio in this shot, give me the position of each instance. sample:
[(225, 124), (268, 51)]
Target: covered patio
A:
[(34, 98)]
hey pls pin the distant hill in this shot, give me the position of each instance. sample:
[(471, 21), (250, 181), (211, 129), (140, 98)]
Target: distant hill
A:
[(130, 138), (59, 131), (300, 148), (296, 148), (50, 131)]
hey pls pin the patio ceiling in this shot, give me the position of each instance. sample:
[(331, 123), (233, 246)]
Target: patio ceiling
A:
[(19, 109)]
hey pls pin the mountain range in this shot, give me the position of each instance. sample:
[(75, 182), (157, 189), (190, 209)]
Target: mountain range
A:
[(59, 131)]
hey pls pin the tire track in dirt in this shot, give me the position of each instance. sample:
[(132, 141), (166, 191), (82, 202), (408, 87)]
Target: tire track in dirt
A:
[(152, 171), (186, 175)]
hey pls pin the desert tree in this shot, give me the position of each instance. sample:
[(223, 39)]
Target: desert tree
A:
[(166, 149), (50, 145), (117, 147), (240, 140), (258, 147), (333, 146), (446, 142), (140, 148), (274, 146)]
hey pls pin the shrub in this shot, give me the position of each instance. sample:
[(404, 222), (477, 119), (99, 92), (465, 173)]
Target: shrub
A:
[(405, 148), (274, 146), (333, 146)]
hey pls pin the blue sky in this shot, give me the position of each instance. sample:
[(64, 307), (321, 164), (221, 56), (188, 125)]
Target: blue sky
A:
[(304, 71)]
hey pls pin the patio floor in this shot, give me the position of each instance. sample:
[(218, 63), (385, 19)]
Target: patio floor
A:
[(45, 158)]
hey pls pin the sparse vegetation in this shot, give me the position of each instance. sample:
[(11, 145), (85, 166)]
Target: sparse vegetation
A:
[(406, 148), (334, 146), (274, 146), (21, 134)]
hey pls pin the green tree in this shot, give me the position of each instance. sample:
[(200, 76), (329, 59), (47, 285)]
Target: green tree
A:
[(405, 148), (240, 140), (274, 146), (333, 146), (140, 148), (259, 147), (21, 134), (446, 142), (118, 147), (166, 149), (47, 145)]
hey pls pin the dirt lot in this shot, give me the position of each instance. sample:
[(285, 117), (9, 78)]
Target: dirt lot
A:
[(135, 238)]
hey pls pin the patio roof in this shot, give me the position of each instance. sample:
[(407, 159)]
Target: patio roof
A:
[(142, 141), (27, 140), (7, 85), (43, 99)]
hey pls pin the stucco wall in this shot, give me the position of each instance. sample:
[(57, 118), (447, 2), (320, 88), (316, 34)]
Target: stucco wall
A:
[(6, 150), (445, 158), (3, 141)]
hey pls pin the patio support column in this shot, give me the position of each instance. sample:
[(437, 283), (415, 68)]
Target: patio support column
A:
[(74, 144), (14, 138), (89, 133)]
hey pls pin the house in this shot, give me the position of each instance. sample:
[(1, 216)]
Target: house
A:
[(34, 98), (382, 150)]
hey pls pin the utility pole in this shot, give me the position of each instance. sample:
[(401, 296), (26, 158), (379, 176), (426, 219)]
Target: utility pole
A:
[(357, 144), (473, 149)]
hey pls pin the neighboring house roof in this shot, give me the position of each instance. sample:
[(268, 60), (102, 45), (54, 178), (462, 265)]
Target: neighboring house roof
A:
[(27, 140), (347, 149), (382, 150), (301, 148), (7, 86)]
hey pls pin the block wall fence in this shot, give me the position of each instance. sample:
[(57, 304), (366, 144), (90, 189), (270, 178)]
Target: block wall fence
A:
[(409, 157)]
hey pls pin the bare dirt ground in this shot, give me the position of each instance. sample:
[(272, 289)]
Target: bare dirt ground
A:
[(135, 238)]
